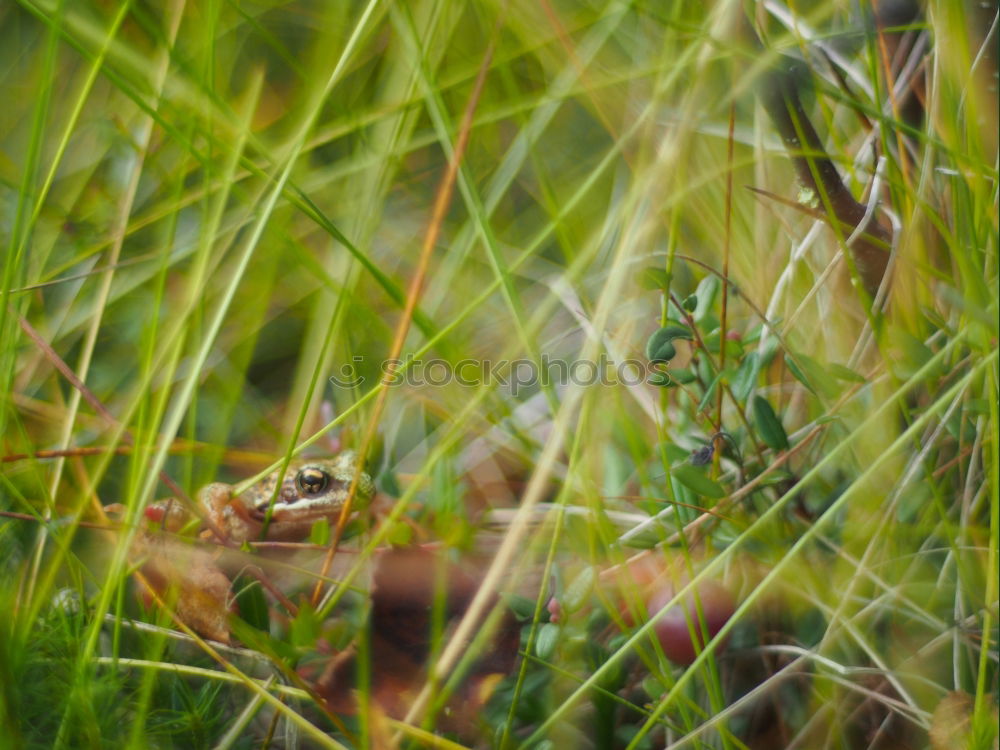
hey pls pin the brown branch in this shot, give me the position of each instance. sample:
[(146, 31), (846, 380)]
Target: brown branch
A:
[(780, 98)]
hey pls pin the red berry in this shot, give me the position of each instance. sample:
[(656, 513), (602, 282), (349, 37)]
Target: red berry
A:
[(555, 609), (674, 628)]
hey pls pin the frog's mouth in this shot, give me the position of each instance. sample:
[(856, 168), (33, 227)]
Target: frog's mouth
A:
[(280, 513), (305, 511)]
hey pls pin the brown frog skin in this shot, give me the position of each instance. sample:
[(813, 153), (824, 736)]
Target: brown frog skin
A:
[(310, 490)]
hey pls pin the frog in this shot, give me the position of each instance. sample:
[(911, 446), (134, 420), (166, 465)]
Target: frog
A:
[(308, 491)]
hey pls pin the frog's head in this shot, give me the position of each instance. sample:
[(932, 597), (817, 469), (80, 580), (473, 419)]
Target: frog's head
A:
[(311, 489)]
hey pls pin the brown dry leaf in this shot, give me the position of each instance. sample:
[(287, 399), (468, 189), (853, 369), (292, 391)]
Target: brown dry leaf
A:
[(951, 723), (201, 592)]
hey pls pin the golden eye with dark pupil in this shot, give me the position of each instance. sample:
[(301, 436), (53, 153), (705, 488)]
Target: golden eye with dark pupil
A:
[(311, 481)]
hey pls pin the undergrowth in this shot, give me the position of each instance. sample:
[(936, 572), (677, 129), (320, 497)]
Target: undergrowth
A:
[(606, 336)]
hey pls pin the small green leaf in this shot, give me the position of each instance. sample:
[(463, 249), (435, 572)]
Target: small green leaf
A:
[(845, 373), (734, 349), (682, 493), (711, 340), (909, 354), (683, 376), (799, 375), (768, 350), (654, 278), (812, 375), (547, 640), (674, 453), (252, 603), (353, 528), (714, 342), (399, 534), (388, 484), (820, 375), (319, 532), (746, 376), (660, 379), (522, 607), (754, 335), (916, 351), (262, 641), (305, 627), (664, 352), (710, 392), (578, 590), (706, 293), (776, 477), (768, 424), (654, 687), (659, 347), (690, 303), (695, 479), (616, 642)]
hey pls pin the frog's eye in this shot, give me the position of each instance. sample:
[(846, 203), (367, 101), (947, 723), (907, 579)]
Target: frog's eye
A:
[(312, 481)]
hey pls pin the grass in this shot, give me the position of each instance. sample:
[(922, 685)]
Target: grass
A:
[(212, 209)]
